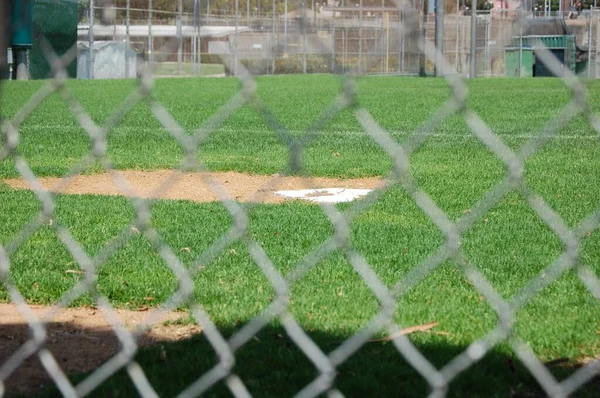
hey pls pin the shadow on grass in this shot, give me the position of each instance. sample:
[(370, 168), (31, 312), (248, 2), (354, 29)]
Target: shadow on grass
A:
[(270, 365)]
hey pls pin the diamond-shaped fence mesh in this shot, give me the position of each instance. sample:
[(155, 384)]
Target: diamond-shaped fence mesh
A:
[(364, 46)]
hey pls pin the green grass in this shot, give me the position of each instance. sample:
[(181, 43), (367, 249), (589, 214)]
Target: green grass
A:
[(509, 245)]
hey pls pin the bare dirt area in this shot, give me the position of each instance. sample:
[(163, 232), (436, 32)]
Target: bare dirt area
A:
[(194, 186), (80, 339)]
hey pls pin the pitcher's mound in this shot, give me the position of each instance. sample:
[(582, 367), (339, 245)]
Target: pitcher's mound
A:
[(167, 184)]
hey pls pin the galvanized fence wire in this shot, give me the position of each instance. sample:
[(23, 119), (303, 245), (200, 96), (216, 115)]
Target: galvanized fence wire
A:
[(326, 363)]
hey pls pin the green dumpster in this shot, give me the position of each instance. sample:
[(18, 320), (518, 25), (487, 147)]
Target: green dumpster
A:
[(561, 46), (519, 62)]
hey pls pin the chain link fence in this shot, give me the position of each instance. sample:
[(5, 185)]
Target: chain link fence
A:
[(342, 52), (367, 40)]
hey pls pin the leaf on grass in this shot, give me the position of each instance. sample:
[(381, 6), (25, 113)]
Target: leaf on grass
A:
[(74, 271), (409, 330)]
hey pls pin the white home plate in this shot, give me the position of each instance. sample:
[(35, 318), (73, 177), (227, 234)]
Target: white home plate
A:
[(326, 195)]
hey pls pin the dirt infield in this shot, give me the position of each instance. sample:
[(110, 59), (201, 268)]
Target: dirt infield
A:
[(193, 187), (80, 339)]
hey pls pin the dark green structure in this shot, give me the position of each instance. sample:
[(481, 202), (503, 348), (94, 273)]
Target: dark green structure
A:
[(513, 55), (563, 47), (56, 21)]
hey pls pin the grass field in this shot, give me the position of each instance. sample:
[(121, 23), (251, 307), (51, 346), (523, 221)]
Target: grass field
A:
[(509, 246)]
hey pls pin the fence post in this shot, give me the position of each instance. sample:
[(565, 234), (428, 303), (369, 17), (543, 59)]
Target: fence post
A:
[(400, 55), (235, 39), (360, 15), (596, 49), (387, 43), (198, 37), (91, 41), (304, 23), (439, 38), (423, 40), (344, 49), (285, 27), (150, 41), (332, 30), (473, 71), (179, 36), (456, 45), (127, 39)]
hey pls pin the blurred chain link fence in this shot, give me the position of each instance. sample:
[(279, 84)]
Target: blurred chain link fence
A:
[(395, 31), (334, 38)]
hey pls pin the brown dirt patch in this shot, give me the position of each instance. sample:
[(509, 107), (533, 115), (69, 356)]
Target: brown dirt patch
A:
[(192, 186), (79, 338)]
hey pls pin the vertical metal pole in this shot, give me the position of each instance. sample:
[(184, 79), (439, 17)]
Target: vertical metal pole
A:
[(423, 40), (285, 28), (473, 72), (360, 15), (199, 39), (344, 49), (589, 70), (400, 41), (383, 28), (439, 37), (235, 39), (179, 36), (273, 36), (332, 30), (387, 42), (127, 39), (560, 10), (596, 49), (150, 41), (457, 35), (248, 12), (193, 39), (488, 34), (91, 41), (521, 50), (304, 37), (196, 40)]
